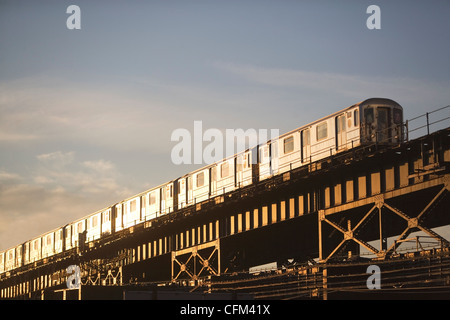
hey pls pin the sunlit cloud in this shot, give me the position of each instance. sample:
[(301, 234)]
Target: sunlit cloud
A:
[(58, 189)]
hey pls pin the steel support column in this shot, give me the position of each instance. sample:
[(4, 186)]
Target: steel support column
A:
[(379, 202)]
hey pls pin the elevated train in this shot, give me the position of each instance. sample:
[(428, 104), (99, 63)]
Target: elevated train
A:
[(375, 120)]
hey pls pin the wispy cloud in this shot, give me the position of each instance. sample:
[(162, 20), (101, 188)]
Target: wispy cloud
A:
[(311, 83)]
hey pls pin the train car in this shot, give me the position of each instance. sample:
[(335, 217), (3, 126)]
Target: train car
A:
[(145, 206), (216, 179), (194, 187), (372, 121), (381, 121)]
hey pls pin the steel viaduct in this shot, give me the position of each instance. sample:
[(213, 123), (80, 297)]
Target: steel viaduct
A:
[(320, 226)]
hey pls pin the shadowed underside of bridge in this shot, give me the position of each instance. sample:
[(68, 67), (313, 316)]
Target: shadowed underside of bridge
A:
[(365, 202)]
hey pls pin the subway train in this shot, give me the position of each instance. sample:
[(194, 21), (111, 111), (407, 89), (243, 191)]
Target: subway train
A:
[(372, 121)]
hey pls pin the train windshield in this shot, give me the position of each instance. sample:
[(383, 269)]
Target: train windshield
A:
[(398, 116), (368, 115)]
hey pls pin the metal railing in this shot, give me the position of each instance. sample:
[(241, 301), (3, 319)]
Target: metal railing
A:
[(428, 124)]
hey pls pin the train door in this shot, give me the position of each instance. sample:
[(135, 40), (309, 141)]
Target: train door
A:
[(181, 193), (213, 181), (246, 169), (341, 132), (264, 161), (306, 145), (383, 127), (190, 190), (255, 165), (162, 194), (238, 165)]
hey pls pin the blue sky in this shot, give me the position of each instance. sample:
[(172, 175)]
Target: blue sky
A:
[(86, 115)]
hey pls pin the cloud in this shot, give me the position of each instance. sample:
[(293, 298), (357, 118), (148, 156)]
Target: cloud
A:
[(8, 176), (58, 158), (61, 169), (57, 190), (331, 85)]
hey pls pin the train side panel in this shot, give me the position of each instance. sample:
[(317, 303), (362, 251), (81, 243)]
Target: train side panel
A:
[(152, 204), (35, 249), (131, 212), (289, 155), (225, 176), (48, 243), (200, 185), (10, 259), (119, 217)]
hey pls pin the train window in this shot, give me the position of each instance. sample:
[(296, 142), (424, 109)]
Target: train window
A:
[(264, 154), (368, 115), (224, 169), (322, 131), (247, 160), (152, 198), (180, 186), (239, 163), (80, 227), (289, 144), (49, 239), (200, 179), (356, 117), (397, 116), (133, 206), (94, 221)]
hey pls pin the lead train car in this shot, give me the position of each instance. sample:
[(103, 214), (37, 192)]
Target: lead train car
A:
[(372, 121)]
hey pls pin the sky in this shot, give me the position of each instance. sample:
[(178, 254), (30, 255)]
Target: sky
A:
[(86, 115)]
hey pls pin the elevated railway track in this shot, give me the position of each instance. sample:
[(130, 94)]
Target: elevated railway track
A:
[(322, 225)]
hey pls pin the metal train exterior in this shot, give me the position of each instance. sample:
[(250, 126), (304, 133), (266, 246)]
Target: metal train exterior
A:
[(376, 120)]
